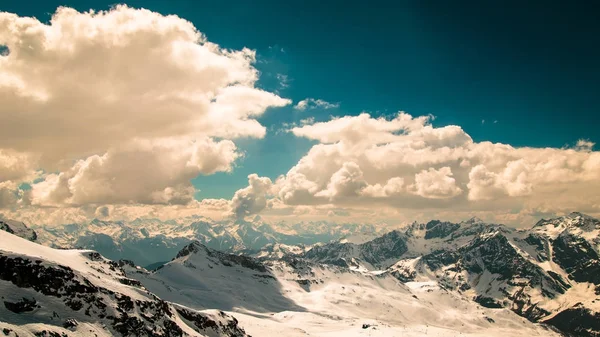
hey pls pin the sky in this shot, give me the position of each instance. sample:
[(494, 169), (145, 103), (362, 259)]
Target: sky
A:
[(514, 74)]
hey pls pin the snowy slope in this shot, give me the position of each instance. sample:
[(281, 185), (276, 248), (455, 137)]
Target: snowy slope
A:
[(544, 274), (296, 297), (18, 228), (78, 292), (549, 273), (437, 278)]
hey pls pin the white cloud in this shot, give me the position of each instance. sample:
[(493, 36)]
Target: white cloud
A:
[(584, 145), (93, 87), (394, 186), (157, 172), (312, 103), (251, 199), (32, 215), (348, 181), (16, 166), (406, 163), (436, 184), (284, 81)]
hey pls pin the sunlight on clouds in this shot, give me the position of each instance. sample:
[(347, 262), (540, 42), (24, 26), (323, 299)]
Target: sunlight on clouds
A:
[(407, 164), (121, 106), (124, 107), (312, 103)]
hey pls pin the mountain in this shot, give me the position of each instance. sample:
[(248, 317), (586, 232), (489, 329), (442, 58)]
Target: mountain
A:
[(549, 273), (293, 296), (18, 228), (437, 278), (50, 292), (373, 254), (150, 241)]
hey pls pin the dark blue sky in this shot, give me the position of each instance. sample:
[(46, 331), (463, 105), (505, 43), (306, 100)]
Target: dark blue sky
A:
[(533, 66)]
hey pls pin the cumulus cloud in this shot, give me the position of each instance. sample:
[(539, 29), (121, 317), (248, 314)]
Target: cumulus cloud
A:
[(9, 194), (16, 166), (157, 172), (251, 199), (102, 93), (436, 184), (406, 163), (348, 181), (312, 103)]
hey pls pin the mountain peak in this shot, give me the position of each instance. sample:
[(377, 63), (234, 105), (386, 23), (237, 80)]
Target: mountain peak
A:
[(579, 215), (102, 223), (574, 221), (193, 247), (18, 228), (473, 220)]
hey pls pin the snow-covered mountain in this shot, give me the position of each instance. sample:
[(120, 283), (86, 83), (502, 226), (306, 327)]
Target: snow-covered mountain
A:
[(437, 278), (549, 273), (148, 241), (292, 296), (50, 292), (18, 228)]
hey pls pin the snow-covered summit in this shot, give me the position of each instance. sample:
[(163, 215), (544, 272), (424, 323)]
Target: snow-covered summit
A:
[(50, 292), (574, 221), (18, 228)]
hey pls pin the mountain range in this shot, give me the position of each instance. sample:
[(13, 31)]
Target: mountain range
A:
[(149, 242), (437, 278)]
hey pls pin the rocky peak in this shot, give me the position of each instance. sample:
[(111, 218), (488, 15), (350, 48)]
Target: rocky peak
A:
[(439, 229), (196, 250), (473, 220), (18, 228), (102, 223), (573, 219), (191, 248)]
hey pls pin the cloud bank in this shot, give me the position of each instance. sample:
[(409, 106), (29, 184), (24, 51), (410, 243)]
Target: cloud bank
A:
[(405, 163), (119, 106)]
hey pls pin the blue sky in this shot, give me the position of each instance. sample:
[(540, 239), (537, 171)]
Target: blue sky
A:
[(534, 68)]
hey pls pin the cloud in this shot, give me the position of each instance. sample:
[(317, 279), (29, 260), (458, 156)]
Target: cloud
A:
[(405, 163), (9, 194), (312, 103), (16, 166), (251, 199), (361, 129), (122, 104), (284, 81), (584, 145), (33, 215), (157, 172), (102, 212), (436, 184), (348, 181)]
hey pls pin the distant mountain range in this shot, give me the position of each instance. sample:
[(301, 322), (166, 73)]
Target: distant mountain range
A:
[(437, 278), (150, 241)]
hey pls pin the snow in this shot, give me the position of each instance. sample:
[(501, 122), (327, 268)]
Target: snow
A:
[(82, 330), (76, 259), (331, 301), (278, 298)]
